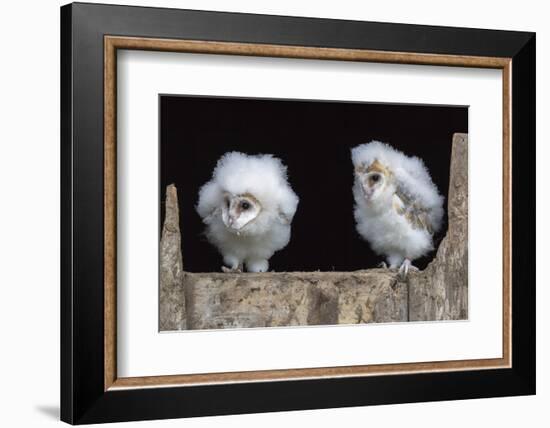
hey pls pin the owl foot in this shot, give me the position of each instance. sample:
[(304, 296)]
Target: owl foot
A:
[(405, 267), (382, 265), (260, 265), (231, 270), (237, 269)]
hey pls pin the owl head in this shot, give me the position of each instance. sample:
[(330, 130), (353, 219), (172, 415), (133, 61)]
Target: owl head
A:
[(373, 179), (247, 193), (239, 210)]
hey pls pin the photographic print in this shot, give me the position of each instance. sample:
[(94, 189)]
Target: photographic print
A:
[(300, 193), (280, 212)]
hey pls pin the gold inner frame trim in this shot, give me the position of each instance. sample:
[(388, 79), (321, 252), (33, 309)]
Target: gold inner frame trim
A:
[(113, 43)]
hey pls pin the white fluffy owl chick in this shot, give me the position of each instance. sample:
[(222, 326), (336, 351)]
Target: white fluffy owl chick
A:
[(397, 206), (247, 207)]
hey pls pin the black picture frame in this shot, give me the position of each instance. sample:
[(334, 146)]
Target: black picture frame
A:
[(83, 396)]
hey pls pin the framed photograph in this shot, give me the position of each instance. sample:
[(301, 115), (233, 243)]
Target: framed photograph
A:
[(265, 213)]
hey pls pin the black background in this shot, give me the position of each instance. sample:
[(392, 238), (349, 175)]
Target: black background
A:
[(313, 139)]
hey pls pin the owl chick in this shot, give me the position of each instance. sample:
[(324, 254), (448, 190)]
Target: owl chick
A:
[(397, 206), (247, 207)]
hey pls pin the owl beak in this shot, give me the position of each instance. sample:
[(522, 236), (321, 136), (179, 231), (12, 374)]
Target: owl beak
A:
[(228, 220), (367, 191), (232, 224)]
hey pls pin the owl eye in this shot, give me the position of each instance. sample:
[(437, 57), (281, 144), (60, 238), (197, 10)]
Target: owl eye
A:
[(375, 178), (245, 205)]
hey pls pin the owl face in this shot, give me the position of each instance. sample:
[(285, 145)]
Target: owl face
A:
[(373, 179), (239, 210)]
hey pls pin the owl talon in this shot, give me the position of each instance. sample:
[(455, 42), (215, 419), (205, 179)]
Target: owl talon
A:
[(405, 267), (238, 269)]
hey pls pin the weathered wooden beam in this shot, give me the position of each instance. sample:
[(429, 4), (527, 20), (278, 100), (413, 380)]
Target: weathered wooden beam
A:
[(222, 300)]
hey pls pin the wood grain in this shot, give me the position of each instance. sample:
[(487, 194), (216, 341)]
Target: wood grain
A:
[(302, 52), (507, 213), (110, 215), (297, 374), (112, 43)]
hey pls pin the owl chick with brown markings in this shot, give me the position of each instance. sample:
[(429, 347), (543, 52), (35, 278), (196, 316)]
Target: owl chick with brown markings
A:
[(248, 207), (397, 206)]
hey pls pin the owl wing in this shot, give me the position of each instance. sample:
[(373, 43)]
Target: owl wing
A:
[(412, 210), (288, 203), (216, 212)]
